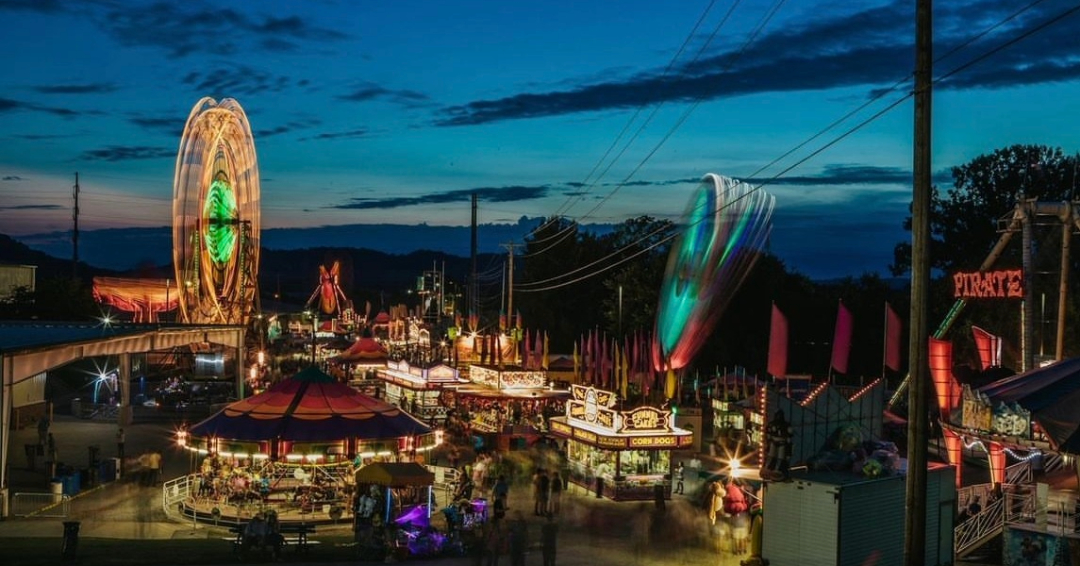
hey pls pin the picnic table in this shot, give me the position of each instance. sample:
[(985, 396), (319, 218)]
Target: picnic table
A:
[(291, 534)]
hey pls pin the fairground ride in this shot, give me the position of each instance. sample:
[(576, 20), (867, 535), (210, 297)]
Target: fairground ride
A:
[(216, 215)]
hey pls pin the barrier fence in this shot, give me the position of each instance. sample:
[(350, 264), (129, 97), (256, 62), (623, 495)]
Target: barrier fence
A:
[(52, 505)]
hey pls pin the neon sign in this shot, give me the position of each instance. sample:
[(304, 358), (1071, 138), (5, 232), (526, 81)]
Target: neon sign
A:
[(1002, 284)]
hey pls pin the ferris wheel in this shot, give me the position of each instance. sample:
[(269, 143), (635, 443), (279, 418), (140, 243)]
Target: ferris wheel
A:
[(216, 215)]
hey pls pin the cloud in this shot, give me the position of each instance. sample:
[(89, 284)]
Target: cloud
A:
[(10, 105), (357, 133), (866, 47), (186, 28), (92, 88), (33, 207), (286, 128), (43, 6), (510, 193), (12, 178), (844, 174), (171, 125), (236, 79), (371, 91), (127, 152)]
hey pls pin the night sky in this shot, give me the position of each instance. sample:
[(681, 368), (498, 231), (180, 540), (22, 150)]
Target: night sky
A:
[(394, 112)]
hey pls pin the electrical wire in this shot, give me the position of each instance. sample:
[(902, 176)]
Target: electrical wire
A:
[(1061, 16)]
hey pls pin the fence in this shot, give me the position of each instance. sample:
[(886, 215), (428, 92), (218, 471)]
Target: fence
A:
[(52, 505)]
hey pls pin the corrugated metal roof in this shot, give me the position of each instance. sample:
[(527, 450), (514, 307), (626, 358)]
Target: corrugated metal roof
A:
[(22, 336)]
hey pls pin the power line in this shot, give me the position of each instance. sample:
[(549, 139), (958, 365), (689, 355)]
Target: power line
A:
[(806, 158)]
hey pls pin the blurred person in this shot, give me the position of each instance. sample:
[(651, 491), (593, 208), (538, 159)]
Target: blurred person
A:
[(549, 534), (557, 488)]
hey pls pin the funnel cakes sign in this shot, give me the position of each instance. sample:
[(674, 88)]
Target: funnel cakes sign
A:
[(593, 407)]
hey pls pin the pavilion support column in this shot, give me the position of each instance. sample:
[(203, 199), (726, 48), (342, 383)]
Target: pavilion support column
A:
[(125, 416), (7, 378), (240, 363)]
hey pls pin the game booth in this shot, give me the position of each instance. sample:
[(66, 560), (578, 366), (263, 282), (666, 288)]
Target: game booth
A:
[(294, 449), (623, 455)]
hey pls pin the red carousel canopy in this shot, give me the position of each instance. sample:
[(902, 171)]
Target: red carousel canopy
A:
[(143, 297), (310, 407)]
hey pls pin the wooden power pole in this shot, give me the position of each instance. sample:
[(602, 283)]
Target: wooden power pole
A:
[(75, 230), (918, 358)]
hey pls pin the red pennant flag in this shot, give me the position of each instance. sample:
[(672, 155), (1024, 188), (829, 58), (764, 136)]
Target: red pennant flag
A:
[(893, 337), (778, 343), (989, 347), (841, 346)]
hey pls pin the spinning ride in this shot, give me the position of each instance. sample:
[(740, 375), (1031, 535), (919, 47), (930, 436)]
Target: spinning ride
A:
[(726, 225), (216, 215)]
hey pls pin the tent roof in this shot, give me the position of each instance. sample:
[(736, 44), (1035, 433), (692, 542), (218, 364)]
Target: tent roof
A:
[(1052, 394), (364, 349), (310, 407), (395, 474)]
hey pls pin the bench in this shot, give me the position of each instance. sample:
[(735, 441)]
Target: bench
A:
[(292, 534)]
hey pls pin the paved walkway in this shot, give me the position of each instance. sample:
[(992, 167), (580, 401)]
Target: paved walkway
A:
[(593, 532)]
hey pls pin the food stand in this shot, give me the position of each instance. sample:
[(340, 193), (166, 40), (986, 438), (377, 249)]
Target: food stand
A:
[(416, 389), (621, 454)]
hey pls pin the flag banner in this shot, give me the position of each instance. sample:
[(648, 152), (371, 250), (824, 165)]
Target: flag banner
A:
[(841, 346), (945, 385), (893, 338), (778, 343), (989, 347)]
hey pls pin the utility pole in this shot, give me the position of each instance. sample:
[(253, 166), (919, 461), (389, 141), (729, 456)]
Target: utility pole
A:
[(510, 282), (918, 358), (471, 293), (75, 232)]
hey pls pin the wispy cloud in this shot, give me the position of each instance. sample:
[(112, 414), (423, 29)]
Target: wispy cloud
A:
[(291, 126), (33, 207), (127, 153), (509, 193), (866, 47), (11, 105), (43, 6), (184, 28), (12, 178), (371, 91), (91, 88), (172, 125), (236, 79), (357, 133)]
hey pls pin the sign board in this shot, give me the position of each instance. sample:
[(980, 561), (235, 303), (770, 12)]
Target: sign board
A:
[(1000, 284)]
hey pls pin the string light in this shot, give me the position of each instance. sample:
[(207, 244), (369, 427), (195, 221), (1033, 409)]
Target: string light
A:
[(863, 391), (813, 394)]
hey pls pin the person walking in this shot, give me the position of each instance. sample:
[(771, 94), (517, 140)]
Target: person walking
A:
[(549, 533), (543, 491), (680, 475), (153, 462), (501, 493), (519, 540), (557, 488), (43, 430), (120, 448)]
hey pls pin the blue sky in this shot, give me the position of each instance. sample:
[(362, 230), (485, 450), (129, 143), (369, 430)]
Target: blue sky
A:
[(393, 112)]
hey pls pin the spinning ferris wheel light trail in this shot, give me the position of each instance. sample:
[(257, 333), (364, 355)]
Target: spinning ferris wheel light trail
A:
[(216, 218)]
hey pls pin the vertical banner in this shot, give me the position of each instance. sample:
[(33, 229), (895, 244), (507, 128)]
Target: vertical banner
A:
[(893, 338), (841, 348), (941, 374), (778, 343)]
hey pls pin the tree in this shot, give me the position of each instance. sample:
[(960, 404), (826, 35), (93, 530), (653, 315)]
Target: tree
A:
[(966, 222), (646, 241)]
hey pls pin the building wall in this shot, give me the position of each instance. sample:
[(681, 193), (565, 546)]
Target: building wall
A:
[(14, 276)]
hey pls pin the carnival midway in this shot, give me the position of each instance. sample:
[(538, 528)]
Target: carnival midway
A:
[(426, 440)]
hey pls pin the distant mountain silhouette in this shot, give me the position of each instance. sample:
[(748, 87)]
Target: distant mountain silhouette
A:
[(13, 252), (127, 248)]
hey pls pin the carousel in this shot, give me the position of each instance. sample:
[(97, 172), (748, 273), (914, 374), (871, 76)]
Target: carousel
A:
[(295, 448)]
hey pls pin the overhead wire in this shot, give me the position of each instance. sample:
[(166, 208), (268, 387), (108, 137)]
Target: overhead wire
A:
[(1028, 33), (586, 186), (751, 38)]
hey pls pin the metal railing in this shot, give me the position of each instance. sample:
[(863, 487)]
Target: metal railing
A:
[(173, 494), (977, 529), (52, 505), (1019, 473)]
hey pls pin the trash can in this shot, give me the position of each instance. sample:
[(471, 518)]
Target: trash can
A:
[(107, 470), (71, 540), (599, 487), (92, 459), (56, 487)]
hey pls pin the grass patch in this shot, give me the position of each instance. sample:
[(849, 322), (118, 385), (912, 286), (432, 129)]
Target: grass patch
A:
[(181, 552)]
